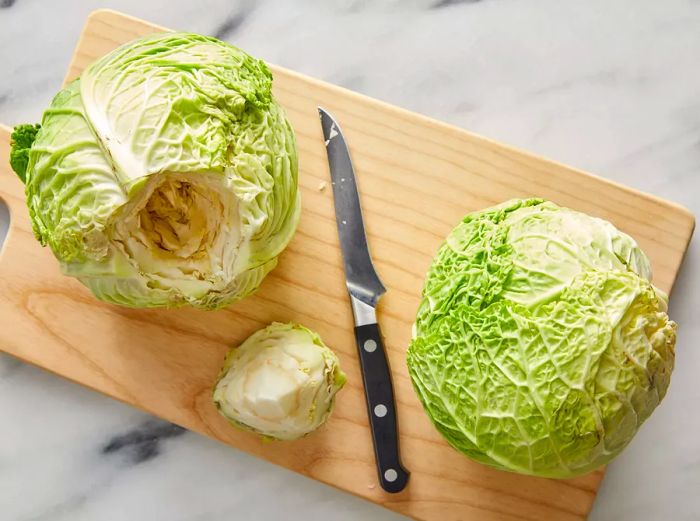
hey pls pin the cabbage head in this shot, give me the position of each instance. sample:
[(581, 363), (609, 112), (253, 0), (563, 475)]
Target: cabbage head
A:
[(165, 175), (540, 345), (280, 383)]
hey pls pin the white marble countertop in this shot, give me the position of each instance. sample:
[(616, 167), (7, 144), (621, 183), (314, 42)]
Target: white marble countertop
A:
[(609, 86)]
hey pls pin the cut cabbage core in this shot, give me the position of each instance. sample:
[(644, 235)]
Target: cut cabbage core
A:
[(180, 228)]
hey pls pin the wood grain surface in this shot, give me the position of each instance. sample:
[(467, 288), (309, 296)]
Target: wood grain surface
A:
[(417, 178)]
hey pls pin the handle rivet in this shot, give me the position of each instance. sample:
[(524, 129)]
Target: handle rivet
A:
[(380, 410), (390, 475), (370, 345)]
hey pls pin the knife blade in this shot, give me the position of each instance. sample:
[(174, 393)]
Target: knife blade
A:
[(365, 289)]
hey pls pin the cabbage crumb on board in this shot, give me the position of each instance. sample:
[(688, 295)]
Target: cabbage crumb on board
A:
[(540, 344), (165, 175)]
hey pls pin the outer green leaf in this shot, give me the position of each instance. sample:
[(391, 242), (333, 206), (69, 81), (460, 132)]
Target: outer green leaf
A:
[(20, 143)]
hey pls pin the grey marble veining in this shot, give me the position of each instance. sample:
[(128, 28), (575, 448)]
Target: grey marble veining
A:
[(609, 86)]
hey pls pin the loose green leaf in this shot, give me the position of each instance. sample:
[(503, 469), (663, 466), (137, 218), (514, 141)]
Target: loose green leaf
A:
[(21, 141)]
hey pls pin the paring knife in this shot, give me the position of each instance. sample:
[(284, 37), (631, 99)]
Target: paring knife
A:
[(364, 288)]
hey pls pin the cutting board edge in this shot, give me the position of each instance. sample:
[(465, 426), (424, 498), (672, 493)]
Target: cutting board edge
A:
[(96, 15), (211, 436)]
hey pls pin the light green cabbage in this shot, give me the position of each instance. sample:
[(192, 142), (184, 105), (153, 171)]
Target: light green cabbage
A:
[(540, 345), (165, 175), (280, 383)]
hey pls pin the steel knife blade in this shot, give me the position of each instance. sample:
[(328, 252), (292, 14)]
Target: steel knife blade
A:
[(365, 288)]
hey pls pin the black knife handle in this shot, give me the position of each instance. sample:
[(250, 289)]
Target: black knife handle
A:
[(381, 407)]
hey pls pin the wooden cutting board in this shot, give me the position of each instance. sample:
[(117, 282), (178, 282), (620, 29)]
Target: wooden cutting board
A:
[(417, 177)]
